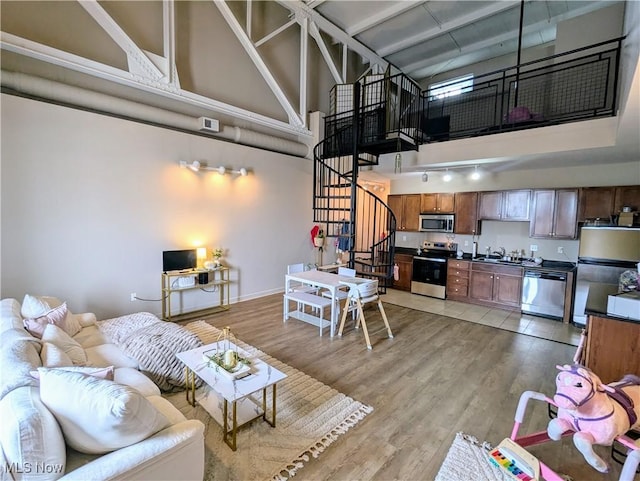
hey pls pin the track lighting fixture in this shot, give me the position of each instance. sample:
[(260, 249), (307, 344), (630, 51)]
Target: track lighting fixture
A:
[(447, 176), (475, 175), (398, 164), (425, 177), (197, 166)]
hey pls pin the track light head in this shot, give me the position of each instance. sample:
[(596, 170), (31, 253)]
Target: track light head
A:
[(243, 172), (221, 170), (425, 177)]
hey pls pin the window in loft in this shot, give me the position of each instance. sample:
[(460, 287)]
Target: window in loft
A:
[(451, 87)]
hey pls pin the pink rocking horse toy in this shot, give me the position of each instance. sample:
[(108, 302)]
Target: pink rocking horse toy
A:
[(597, 412), (593, 412)]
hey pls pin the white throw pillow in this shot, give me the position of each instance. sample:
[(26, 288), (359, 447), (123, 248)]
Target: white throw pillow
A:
[(36, 325), (71, 347), (99, 372), (96, 415), (53, 356), (30, 437), (34, 307)]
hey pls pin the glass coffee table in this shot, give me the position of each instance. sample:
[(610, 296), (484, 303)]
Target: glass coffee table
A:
[(237, 390)]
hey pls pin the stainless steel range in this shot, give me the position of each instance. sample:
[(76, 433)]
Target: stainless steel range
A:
[(430, 268)]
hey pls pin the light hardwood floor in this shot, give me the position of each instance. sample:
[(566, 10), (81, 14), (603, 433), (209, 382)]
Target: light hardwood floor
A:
[(438, 376)]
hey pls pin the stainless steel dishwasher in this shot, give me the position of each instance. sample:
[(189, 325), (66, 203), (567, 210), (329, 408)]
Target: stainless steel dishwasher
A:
[(543, 293)]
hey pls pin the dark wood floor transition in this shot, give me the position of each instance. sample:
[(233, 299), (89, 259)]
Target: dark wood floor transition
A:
[(437, 377)]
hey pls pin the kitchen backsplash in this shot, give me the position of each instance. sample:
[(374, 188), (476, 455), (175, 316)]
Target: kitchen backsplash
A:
[(510, 235)]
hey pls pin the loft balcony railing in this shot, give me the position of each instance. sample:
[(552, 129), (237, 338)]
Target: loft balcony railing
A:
[(576, 85)]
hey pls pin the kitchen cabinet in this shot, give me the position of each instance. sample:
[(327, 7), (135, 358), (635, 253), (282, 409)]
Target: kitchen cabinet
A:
[(602, 202), (555, 214), (612, 347), (466, 211), (495, 285), (509, 205), (596, 203), (406, 208), (458, 279), (627, 196), (439, 203), (405, 270)]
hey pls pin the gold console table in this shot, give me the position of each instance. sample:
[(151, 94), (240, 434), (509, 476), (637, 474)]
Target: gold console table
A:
[(218, 282)]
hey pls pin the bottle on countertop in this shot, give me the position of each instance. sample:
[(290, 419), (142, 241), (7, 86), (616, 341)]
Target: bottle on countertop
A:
[(474, 251)]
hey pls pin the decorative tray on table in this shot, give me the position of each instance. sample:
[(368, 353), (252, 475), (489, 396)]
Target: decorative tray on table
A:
[(219, 360)]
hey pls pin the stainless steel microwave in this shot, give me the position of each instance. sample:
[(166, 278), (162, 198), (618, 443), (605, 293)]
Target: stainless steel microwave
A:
[(436, 222)]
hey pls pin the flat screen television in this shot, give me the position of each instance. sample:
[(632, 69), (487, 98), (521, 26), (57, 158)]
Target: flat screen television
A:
[(179, 260)]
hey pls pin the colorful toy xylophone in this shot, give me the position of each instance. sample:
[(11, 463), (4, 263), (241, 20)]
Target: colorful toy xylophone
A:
[(518, 463)]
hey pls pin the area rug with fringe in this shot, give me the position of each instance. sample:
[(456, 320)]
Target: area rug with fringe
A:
[(468, 460), (310, 417)]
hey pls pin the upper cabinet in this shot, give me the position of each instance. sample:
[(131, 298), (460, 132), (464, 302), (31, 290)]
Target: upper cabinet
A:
[(603, 202), (504, 205), (596, 203), (466, 221), (439, 203), (627, 196), (406, 208), (554, 214)]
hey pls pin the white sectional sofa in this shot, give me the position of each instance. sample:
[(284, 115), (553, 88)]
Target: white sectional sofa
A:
[(58, 423)]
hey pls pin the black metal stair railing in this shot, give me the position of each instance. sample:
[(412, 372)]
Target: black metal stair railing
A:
[(357, 221)]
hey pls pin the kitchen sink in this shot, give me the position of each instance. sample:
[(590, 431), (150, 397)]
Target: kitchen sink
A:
[(496, 260)]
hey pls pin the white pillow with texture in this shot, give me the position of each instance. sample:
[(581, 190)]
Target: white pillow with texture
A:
[(31, 436), (53, 356), (99, 372), (36, 325), (70, 346), (98, 416), (34, 306)]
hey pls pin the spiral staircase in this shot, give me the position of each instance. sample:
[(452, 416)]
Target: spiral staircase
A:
[(353, 218)]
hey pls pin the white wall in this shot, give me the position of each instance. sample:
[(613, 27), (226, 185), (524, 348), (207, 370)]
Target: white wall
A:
[(89, 203)]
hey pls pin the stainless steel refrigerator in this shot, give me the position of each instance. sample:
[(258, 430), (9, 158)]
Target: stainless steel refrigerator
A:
[(604, 253)]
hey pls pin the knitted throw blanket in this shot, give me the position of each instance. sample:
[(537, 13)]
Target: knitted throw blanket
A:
[(154, 344)]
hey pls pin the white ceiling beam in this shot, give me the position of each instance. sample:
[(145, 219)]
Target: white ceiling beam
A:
[(138, 62), (301, 9), (474, 16), (169, 41), (277, 31), (315, 3), (255, 57), (489, 42), (249, 14), (383, 15), (315, 33), (44, 53)]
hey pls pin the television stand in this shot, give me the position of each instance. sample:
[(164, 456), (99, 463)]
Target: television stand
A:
[(218, 283)]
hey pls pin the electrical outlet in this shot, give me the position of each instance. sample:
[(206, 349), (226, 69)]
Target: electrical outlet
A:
[(533, 248), (133, 296), (560, 250), (466, 243), (404, 237)]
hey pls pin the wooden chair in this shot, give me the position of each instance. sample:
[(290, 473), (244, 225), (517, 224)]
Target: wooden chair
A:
[(361, 292)]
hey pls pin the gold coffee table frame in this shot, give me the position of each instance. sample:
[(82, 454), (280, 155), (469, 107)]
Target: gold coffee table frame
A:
[(190, 377), (234, 400)]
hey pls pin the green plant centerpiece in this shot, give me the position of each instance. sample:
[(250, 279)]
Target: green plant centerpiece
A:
[(226, 355)]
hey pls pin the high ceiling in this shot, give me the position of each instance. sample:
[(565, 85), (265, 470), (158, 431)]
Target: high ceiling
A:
[(163, 54), (425, 38)]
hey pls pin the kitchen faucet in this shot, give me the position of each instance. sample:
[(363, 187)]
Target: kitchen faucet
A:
[(501, 251)]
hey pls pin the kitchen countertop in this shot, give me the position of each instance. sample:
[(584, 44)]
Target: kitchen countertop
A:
[(597, 301), (560, 266)]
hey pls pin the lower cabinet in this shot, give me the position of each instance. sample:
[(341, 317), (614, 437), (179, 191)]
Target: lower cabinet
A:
[(405, 271), (495, 285), (458, 279), (611, 348)]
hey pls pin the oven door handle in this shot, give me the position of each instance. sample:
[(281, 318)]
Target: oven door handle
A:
[(429, 259)]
